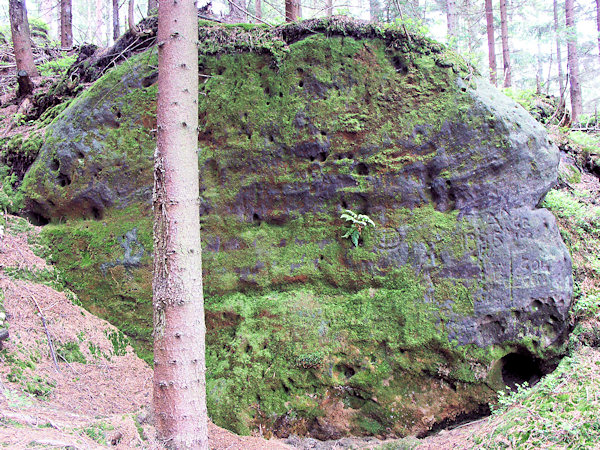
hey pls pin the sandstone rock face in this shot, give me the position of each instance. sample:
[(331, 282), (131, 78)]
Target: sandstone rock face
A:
[(463, 286)]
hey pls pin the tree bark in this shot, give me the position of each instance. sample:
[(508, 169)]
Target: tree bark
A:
[(258, 8), (451, 19), (375, 11), (505, 48), (292, 10), (98, 31), (131, 17), (179, 330), (152, 6), (66, 24), (573, 62), (471, 24), (561, 77), (115, 17), (25, 84), (19, 27), (329, 7), (489, 17), (598, 23), (538, 57), (237, 12)]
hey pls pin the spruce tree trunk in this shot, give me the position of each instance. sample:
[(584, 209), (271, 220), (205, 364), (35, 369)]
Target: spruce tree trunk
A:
[(471, 29), (292, 10), (505, 48), (561, 77), (131, 16), (66, 24), (375, 11), (329, 7), (573, 61), (489, 17), (258, 9), (237, 12), (598, 23), (98, 29), (538, 57), (19, 27), (179, 330), (452, 21), (115, 21)]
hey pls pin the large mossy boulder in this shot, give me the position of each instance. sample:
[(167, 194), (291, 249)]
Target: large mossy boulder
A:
[(461, 288)]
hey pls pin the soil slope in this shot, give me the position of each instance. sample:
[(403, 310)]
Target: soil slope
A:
[(98, 393)]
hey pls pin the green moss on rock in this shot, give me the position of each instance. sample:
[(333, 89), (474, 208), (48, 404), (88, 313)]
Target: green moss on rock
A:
[(296, 125)]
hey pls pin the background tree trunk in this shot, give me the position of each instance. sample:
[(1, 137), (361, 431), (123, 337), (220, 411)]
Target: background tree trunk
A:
[(179, 331), (98, 29), (598, 23), (66, 24), (292, 10), (115, 21), (538, 58), (573, 61), (152, 6), (19, 27), (258, 8), (505, 48), (561, 77), (375, 11), (329, 7), (489, 17), (452, 21), (131, 17), (237, 11)]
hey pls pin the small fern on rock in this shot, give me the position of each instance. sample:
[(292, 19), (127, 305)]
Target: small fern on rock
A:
[(358, 222)]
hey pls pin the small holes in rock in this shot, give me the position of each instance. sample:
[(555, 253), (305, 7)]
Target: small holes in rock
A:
[(400, 65), (63, 180), (54, 164), (281, 94), (362, 169), (322, 156), (256, 219), (344, 204), (301, 83), (349, 371), (96, 213)]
